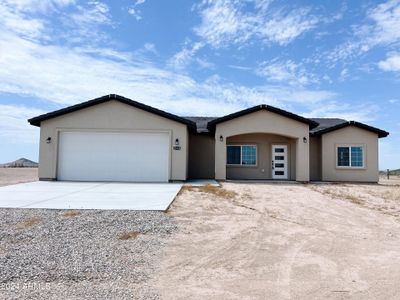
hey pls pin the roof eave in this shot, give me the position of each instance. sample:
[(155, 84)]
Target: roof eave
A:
[(381, 133), (211, 125), (36, 121)]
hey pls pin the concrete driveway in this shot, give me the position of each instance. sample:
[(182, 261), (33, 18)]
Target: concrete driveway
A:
[(89, 195)]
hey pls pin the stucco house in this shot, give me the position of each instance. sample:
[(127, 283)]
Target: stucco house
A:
[(113, 138)]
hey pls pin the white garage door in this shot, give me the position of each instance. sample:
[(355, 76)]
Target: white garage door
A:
[(113, 156)]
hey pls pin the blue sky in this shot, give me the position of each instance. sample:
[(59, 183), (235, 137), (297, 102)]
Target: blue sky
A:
[(313, 58)]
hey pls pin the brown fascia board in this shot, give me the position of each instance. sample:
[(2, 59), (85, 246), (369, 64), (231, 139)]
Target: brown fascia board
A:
[(312, 124), (381, 133), (37, 120)]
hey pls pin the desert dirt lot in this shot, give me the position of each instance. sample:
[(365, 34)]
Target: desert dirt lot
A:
[(241, 241), (17, 175), (284, 241)]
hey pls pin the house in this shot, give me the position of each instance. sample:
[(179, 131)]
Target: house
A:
[(113, 138)]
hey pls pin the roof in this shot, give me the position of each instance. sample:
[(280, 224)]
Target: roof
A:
[(201, 123), (318, 126), (381, 133), (37, 120), (311, 123), (324, 123)]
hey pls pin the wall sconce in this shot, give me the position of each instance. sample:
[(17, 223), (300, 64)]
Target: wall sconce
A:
[(304, 140), (221, 138), (177, 142), (48, 140)]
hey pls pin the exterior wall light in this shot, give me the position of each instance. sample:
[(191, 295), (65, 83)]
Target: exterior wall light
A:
[(221, 138), (177, 142), (48, 140), (304, 140)]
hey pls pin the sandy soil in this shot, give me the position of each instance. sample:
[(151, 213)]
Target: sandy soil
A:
[(393, 180), (17, 175), (284, 241)]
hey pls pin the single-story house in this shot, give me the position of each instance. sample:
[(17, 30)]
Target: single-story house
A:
[(113, 138)]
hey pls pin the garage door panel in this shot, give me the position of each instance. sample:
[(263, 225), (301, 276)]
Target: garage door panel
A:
[(101, 156)]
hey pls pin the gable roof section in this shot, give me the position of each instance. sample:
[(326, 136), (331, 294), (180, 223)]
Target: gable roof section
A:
[(36, 120), (324, 123), (201, 123), (381, 133), (213, 123)]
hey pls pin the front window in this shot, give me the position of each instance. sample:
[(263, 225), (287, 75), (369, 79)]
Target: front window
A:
[(241, 155), (350, 156)]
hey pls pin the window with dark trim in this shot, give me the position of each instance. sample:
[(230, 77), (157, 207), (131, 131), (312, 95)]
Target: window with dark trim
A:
[(350, 156), (244, 155)]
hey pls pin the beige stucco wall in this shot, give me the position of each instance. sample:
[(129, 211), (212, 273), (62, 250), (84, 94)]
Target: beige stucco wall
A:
[(350, 136), (201, 156), (263, 122), (264, 144), (112, 116), (315, 158)]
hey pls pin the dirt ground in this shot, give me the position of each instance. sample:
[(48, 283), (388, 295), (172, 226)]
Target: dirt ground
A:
[(17, 175), (284, 241)]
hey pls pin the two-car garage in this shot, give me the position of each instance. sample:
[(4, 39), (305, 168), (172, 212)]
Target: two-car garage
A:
[(113, 156), (113, 138)]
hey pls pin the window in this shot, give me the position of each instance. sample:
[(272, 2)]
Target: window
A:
[(350, 156), (241, 155)]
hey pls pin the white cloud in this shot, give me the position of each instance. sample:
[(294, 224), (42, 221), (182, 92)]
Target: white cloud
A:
[(13, 124), (94, 13), (242, 68), (184, 57), (386, 17), (343, 110), (225, 22), (136, 12), (344, 74), (381, 28), (149, 47), (21, 24), (392, 63), (36, 5), (287, 72), (65, 75), (68, 76)]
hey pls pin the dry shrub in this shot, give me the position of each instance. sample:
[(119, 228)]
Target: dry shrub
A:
[(209, 189), (29, 222), (185, 188), (217, 191), (71, 213), (129, 235), (342, 195), (354, 199)]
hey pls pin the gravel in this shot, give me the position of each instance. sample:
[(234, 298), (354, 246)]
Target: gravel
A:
[(88, 254)]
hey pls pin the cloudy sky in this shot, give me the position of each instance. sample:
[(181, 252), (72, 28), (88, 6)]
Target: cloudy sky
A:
[(313, 58)]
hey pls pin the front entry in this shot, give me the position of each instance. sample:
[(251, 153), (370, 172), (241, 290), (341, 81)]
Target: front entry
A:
[(279, 162)]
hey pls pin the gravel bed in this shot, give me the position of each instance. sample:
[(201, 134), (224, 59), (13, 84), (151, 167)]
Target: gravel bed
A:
[(89, 254)]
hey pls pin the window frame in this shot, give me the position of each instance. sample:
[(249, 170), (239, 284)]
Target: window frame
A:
[(241, 158), (349, 146)]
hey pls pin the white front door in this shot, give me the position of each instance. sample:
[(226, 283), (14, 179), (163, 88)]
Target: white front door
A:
[(279, 162)]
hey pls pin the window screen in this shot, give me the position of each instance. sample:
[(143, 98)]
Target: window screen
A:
[(233, 155), (249, 155), (351, 156), (241, 155), (343, 156), (356, 157)]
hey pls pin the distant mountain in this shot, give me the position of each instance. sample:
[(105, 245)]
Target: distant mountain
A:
[(20, 163), (392, 172)]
